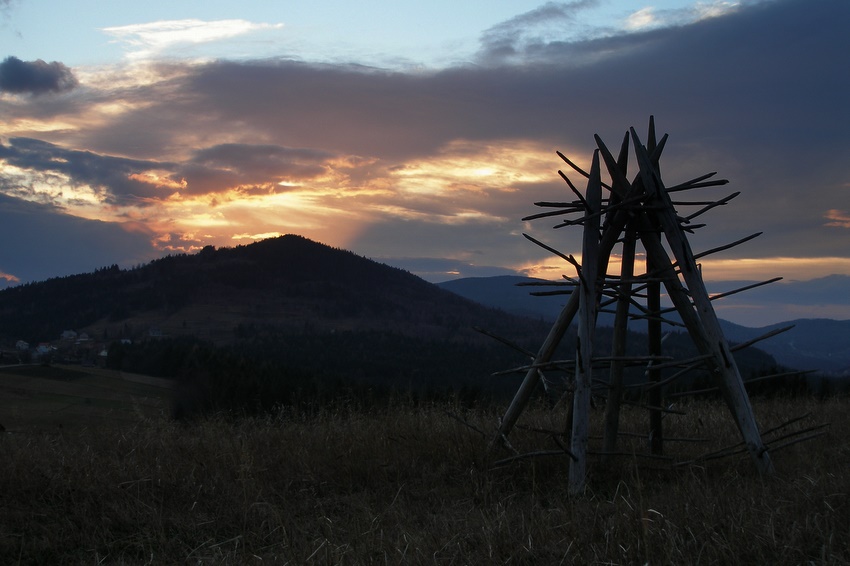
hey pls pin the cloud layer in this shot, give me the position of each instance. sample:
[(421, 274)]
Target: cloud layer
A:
[(145, 41), (442, 164), (35, 77)]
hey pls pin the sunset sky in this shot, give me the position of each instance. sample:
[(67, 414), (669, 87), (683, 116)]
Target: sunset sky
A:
[(414, 133)]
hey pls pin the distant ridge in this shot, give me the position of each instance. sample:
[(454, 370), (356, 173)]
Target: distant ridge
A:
[(817, 344), (503, 292)]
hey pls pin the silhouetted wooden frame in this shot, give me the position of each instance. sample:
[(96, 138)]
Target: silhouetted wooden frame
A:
[(640, 210)]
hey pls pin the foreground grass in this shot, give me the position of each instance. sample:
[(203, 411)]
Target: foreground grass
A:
[(409, 485)]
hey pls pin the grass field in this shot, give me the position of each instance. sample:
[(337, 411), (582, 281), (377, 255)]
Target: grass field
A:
[(40, 397), (414, 485)]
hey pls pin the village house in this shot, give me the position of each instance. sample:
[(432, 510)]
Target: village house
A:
[(68, 335)]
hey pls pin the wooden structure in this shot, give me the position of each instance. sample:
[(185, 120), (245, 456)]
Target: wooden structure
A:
[(629, 212)]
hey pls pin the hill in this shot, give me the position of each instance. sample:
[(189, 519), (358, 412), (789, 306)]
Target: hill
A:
[(505, 292), (271, 322), (289, 282), (286, 320), (820, 344)]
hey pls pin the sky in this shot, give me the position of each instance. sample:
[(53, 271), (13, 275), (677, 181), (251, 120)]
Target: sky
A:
[(418, 134)]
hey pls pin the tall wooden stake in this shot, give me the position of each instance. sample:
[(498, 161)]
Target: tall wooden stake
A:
[(586, 327), (653, 305), (618, 346), (532, 376), (705, 330)]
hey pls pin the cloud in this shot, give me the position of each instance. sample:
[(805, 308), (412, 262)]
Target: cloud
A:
[(233, 165), (437, 270), (172, 242), (507, 39), (6, 6), (7, 280), (650, 17), (112, 180), (643, 18), (449, 250), (63, 244), (35, 77), (837, 218), (445, 163), (119, 181), (155, 38), (555, 32)]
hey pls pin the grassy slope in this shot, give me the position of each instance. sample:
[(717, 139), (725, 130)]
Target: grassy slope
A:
[(36, 397), (408, 485)]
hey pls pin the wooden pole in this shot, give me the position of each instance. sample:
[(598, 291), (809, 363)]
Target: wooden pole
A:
[(586, 328), (610, 236), (529, 382), (653, 304), (618, 347), (621, 317), (653, 326), (702, 324)]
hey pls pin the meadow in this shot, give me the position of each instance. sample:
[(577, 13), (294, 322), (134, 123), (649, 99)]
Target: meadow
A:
[(41, 397), (412, 483)]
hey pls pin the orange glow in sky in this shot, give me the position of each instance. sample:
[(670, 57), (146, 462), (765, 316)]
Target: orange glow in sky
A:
[(128, 134)]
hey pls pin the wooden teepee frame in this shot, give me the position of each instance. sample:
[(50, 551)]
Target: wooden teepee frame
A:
[(637, 210)]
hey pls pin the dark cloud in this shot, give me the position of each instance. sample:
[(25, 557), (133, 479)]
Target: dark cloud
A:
[(734, 80), (256, 169), (266, 159), (475, 248), (35, 77), (112, 176), (221, 166), (757, 94), (64, 244), (754, 95)]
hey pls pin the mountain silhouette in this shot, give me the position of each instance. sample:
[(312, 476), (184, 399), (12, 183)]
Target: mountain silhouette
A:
[(812, 344), (257, 324), (290, 282)]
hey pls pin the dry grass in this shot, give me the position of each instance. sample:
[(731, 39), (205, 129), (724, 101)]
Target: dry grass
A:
[(408, 485)]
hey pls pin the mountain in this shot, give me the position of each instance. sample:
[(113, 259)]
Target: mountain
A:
[(506, 292), (818, 344), (288, 320), (289, 282), (276, 321), (822, 298), (832, 289)]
